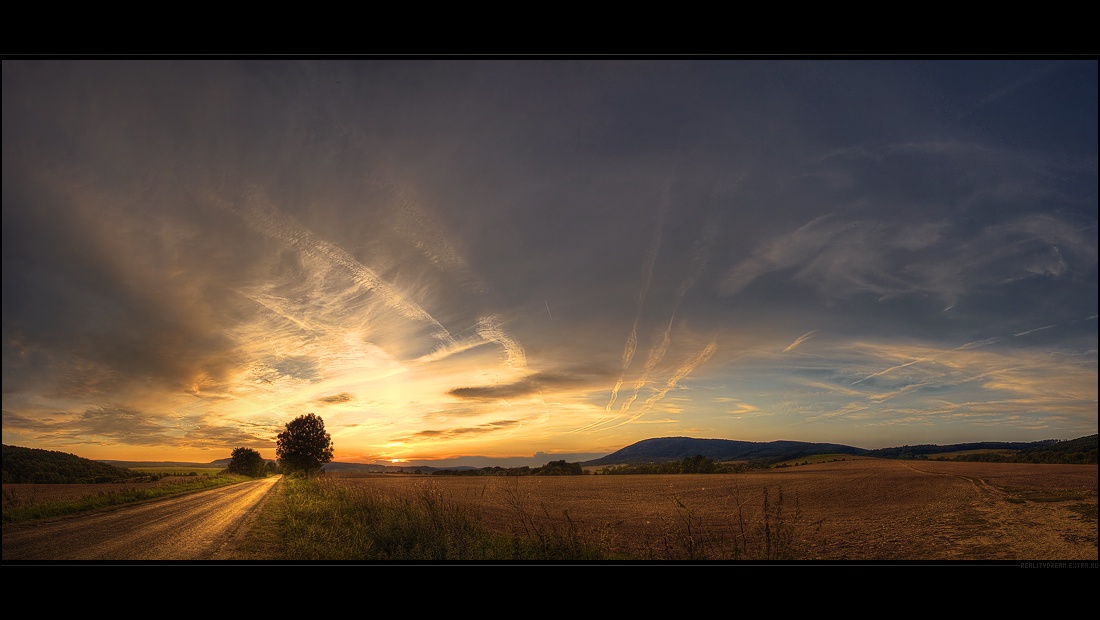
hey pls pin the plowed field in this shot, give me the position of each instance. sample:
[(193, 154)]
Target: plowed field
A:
[(862, 509)]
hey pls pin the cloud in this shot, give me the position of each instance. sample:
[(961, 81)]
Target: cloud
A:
[(682, 371), (843, 259), (520, 388), (283, 227), (201, 250), (534, 383), (489, 328), (422, 231), (444, 351), (799, 340), (649, 259), (461, 432)]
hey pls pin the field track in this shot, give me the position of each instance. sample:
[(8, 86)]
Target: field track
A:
[(857, 509)]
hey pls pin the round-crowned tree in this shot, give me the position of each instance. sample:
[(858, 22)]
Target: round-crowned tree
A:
[(247, 462), (304, 446)]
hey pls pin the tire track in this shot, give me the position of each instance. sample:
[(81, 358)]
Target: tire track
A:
[(997, 516)]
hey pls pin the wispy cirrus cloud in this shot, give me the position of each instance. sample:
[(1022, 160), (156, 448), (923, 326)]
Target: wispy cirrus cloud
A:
[(845, 258), (532, 257), (265, 219)]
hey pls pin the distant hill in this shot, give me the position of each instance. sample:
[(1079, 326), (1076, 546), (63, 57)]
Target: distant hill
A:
[(677, 448), (1081, 444), (32, 465), (664, 449), (908, 452), (220, 463), (1080, 451), (35, 466), (216, 463)]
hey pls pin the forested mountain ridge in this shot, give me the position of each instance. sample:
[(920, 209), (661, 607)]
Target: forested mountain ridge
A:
[(663, 449), (676, 448), (1080, 451), (35, 466)]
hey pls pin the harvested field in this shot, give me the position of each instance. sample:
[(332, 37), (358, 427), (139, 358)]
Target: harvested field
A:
[(861, 509), (30, 494)]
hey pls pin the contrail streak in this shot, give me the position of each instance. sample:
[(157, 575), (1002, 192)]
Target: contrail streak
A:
[(647, 278), (654, 358), (264, 300), (426, 235), (1031, 331), (891, 369), (698, 261), (684, 370), (266, 220), (799, 340), (978, 343), (445, 351), (964, 347)]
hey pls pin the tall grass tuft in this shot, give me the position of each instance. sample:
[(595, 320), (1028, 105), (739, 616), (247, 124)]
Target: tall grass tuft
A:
[(327, 519), (333, 519), (777, 532), (551, 538)]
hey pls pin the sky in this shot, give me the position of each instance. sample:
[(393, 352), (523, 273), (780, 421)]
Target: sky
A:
[(517, 260)]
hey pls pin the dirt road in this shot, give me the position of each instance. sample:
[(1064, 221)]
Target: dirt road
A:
[(191, 527)]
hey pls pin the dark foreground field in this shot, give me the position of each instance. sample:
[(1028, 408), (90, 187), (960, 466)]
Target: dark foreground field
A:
[(858, 509), (864, 509)]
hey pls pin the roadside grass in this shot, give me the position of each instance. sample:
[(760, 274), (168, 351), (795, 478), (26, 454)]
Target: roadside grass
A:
[(19, 508), (165, 471), (324, 519)]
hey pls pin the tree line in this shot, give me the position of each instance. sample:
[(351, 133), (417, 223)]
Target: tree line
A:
[(1034, 456), (553, 468), (37, 466), (1080, 451), (697, 464)]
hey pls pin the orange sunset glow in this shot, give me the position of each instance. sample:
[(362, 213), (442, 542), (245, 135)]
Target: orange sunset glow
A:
[(511, 261)]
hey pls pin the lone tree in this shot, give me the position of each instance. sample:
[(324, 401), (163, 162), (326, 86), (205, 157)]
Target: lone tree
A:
[(247, 462), (304, 445)]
